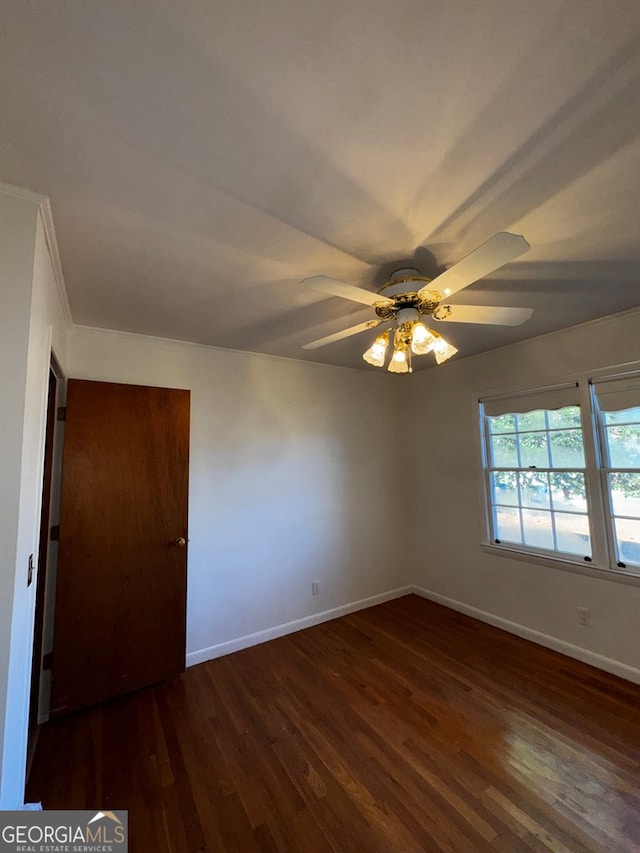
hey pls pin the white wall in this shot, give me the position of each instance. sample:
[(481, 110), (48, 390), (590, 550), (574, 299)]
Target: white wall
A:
[(448, 560), (31, 321), (293, 478)]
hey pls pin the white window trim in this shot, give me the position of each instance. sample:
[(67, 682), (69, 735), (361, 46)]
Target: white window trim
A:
[(556, 562), (602, 564)]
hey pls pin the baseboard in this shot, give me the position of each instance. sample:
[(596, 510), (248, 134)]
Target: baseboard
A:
[(248, 640), (615, 667)]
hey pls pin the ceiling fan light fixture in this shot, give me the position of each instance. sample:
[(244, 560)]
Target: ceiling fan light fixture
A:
[(400, 362), (408, 296), (422, 339), (377, 352), (443, 350)]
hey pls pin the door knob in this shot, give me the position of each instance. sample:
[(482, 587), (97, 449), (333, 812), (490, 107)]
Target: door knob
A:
[(180, 542)]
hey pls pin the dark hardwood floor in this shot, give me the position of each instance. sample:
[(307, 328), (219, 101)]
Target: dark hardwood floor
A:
[(406, 727)]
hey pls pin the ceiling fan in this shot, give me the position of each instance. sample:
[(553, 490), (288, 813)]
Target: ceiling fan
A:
[(408, 296)]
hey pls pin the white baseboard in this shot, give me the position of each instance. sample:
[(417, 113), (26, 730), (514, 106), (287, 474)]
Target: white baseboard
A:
[(248, 640), (600, 661)]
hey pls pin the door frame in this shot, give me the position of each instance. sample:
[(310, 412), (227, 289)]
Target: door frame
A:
[(45, 575)]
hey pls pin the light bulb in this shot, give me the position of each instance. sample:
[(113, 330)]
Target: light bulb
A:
[(443, 350), (399, 362), (377, 352), (422, 339)]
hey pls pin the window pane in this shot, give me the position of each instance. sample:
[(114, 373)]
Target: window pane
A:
[(568, 491), (624, 445), (567, 449), (628, 540), (533, 450), (625, 494), (504, 451), (572, 534), (504, 488), (625, 417), (537, 529), (502, 423), (508, 525), (531, 421), (563, 418), (534, 490)]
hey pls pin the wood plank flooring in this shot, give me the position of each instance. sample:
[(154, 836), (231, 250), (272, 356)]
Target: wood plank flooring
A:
[(405, 727)]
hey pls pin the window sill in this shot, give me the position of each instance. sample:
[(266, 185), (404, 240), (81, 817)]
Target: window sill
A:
[(579, 568)]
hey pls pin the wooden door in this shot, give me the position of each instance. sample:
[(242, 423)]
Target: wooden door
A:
[(121, 582)]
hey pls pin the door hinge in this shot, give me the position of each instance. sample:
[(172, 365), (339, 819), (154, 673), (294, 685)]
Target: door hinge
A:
[(47, 660), (54, 533), (61, 414)]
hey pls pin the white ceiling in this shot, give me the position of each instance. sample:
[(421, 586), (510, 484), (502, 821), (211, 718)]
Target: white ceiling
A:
[(204, 157)]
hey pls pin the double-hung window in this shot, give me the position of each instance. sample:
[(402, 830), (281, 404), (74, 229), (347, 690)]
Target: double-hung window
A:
[(562, 471), (617, 402)]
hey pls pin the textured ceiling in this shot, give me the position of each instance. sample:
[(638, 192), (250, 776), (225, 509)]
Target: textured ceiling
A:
[(202, 158)]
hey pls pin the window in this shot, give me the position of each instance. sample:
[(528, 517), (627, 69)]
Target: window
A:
[(562, 471), (618, 406)]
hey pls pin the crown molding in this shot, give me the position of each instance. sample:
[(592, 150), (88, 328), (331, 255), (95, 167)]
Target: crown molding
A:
[(22, 193), (43, 204), (265, 356), (594, 321), (46, 217)]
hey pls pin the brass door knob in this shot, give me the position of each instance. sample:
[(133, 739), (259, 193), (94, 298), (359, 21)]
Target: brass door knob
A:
[(180, 542)]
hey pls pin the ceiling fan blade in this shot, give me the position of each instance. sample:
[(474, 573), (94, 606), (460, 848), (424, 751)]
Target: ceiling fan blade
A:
[(347, 291), (345, 333), (488, 314), (495, 253)]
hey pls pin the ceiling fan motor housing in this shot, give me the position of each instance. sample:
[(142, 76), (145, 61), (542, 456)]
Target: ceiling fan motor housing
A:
[(404, 291), (407, 315)]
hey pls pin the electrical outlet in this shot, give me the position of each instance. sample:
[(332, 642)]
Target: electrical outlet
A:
[(315, 587), (584, 616), (30, 571)]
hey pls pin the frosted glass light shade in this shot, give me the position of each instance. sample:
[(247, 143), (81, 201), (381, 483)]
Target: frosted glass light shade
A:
[(443, 350), (377, 352), (422, 339), (399, 362)]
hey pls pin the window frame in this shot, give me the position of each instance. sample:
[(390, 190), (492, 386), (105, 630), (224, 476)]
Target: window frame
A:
[(605, 470), (604, 560)]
